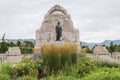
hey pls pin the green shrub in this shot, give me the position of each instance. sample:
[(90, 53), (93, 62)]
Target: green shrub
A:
[(56, 57), (26, 50), (28, 67), (85, 65), (60, 76), (3, 47), (4, 77), (7, 68), (27, 78), (104, 74)]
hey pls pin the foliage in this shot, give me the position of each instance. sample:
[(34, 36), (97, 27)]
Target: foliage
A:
[(56, 57), (113, 48), (27, 78), (85, 65), (105, 63), (18, 43), (26, 50), (4, 77), (11, 44), (7, 68), (28, 44), (83, 50), (86, 49), (104, 74), (82, 68), (59, 77), (117, 48), (3, 47), (29, 67)]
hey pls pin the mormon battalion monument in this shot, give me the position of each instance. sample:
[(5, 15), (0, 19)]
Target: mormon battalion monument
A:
[(57, 26)]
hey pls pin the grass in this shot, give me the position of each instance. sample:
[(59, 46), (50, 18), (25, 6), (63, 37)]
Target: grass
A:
[(26, 78), (56, 57), (104, 74), (4, 76), (7, 68)]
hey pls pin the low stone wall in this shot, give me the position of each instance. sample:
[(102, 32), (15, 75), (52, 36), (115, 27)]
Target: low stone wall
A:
[(104, 58), (14, 58), (116, 55), (3, 57)]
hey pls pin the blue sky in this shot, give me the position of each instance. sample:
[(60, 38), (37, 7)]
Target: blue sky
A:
[(97, 20)]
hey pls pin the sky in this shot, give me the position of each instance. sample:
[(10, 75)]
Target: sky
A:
[(97, 20)]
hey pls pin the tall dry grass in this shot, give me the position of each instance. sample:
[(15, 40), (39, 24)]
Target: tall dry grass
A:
[(56, 57)]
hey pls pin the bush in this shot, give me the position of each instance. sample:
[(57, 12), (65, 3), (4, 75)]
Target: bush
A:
[(29, 67), (26, 50), (56, 57), (4, 77), (7, 68), (85, 65), (3, 47), (26, 78), (60, 76), (104, 74)]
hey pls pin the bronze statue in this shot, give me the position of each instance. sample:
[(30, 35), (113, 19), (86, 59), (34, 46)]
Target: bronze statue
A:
[(58, 31)]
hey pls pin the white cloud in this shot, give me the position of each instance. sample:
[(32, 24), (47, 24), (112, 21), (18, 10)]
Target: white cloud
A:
[(97, 20)]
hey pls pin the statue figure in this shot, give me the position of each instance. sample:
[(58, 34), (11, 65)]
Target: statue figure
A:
[(58, 31)]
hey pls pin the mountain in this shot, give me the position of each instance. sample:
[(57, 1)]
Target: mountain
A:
[(106, 42), (90, 45)]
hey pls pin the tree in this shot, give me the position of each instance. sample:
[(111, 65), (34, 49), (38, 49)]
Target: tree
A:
[(112, 47), (107, 47), (18, 43), (117, 48), (28, 44), (87, 49), (3, 45), (11, 44), (26, 50)]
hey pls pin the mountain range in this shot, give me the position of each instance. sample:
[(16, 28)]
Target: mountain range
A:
[(106, 42)]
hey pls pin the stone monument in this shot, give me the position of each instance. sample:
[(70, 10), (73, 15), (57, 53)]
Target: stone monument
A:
[(47, 34)]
